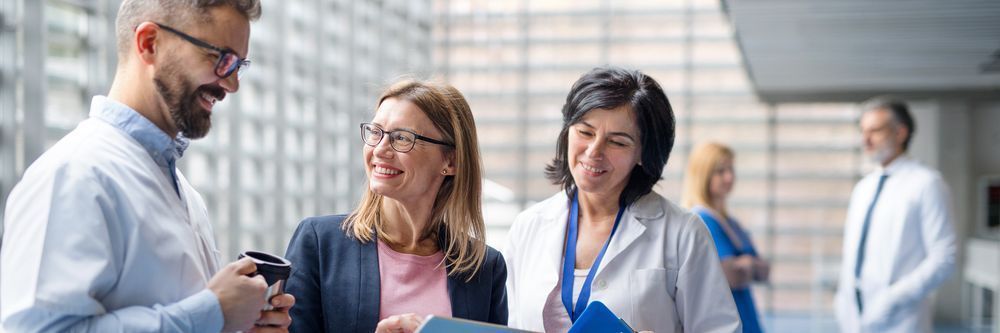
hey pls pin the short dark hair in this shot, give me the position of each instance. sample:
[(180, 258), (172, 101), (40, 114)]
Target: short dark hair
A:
[(898, 109), (610, 88)]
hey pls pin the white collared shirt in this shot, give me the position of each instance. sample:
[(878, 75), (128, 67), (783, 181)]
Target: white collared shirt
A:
[(909, 251), (97, 238)]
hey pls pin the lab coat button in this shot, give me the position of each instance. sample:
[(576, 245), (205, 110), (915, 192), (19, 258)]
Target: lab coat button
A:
[(601, 284)]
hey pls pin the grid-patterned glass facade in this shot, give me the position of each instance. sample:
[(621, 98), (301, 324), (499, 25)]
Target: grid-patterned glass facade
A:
[(8, 102), (284, 147), (54, 56), (796, 164)]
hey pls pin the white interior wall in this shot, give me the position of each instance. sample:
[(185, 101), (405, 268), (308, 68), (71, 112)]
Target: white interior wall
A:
[(961, 139)]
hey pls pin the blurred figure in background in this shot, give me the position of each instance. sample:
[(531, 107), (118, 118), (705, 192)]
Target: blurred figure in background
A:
[(415, 245), (707, 184), (607, 236), (899, 242)]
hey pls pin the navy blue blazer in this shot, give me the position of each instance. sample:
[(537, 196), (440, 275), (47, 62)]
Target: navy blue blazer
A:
[(335, 281)]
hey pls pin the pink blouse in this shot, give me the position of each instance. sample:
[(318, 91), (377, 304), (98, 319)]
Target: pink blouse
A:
[(412, 284)]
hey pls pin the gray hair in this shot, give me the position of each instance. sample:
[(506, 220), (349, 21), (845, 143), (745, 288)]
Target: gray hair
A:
[(899, 111), (177, 13)]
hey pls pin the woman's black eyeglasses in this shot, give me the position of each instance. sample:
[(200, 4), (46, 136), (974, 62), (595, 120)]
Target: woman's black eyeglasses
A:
[(400, 140), (228, 61)]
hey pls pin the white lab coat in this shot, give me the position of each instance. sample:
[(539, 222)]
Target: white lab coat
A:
[(660, 271), (96, 239), (909, 252)]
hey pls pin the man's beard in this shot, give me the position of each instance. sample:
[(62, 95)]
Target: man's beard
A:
[(881, 154), (182, 102)]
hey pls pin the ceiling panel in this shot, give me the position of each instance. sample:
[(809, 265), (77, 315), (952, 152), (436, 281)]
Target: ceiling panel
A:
[(823, 50)]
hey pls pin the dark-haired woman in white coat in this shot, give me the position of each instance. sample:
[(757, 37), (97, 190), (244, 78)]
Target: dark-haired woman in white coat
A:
[(607, 237)]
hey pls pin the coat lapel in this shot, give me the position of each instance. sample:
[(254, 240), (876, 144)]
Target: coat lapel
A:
[(197, 220), (544, 246), (632, 226), (552, 233), (369, 297), (458, 293)]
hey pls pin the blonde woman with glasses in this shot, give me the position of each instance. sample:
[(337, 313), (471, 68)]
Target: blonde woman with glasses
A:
[(707, 185), (415, 244)]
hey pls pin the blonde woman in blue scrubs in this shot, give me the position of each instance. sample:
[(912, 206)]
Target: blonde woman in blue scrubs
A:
[(707, 184)]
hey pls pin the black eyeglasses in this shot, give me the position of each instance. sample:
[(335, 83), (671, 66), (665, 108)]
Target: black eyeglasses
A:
[(400, 140), (228, 61)]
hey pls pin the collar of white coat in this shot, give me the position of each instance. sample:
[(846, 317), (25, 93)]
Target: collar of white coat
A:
[(635, 220), (896, 165), (647, 207), (162, 148)]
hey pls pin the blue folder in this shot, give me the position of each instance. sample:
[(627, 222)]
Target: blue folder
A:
[(598, 318)]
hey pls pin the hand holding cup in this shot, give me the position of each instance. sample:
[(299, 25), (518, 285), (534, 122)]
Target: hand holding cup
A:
[(240, 296)]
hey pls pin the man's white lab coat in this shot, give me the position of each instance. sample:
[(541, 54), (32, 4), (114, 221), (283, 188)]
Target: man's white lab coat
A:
[(96, 239), (909, 252)]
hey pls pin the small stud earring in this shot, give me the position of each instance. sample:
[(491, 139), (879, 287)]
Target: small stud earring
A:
[(444, 172)]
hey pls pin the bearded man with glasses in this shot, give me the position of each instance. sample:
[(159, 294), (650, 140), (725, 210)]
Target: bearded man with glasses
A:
[(103, 233)]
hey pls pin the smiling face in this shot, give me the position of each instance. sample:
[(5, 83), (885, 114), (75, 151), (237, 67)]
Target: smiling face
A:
[(186, 80), (412, 175), (602, 150)]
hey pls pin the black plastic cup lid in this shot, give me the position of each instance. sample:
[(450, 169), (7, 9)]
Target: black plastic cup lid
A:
[(272, 267)]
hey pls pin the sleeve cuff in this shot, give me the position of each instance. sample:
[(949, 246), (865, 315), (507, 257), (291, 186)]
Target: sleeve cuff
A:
[(204, 311)]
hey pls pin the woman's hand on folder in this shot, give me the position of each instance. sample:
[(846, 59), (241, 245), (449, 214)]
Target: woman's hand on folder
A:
[(405, 323)]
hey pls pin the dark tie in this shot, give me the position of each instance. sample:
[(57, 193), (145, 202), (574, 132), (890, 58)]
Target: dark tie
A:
[(864, 237)]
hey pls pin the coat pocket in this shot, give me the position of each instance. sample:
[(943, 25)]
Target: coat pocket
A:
[(652, 291)]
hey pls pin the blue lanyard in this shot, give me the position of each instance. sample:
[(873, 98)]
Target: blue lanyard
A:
[(569, 262)]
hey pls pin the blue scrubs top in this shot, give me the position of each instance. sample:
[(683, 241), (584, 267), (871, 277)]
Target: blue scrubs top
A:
[(726, 249)]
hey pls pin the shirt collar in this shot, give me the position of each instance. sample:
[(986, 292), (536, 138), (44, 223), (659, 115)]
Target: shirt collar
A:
[(161, 147), (898, 163)]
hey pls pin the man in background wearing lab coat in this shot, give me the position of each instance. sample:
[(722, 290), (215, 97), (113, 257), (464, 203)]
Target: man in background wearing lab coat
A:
[(899, 243), (103, 233)]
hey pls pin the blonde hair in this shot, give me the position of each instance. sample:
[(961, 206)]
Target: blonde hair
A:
[(702, 162), (457, 210)]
